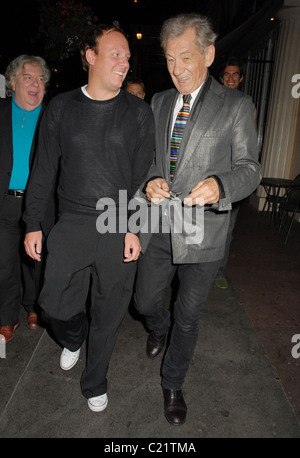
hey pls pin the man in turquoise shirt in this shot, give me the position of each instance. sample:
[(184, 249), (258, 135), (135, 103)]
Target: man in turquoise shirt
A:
[(26, 80)]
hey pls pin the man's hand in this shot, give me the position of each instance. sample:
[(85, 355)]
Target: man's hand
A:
[(205, 192), (132, 247), (157, 190), (33, 244)]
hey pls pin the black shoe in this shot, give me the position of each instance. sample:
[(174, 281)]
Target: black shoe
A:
[(155, 345), (174, 406)]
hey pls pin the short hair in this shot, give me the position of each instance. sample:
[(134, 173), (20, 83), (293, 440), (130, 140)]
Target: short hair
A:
[(134, 80), (91, 40), (231, 61), (177, 25), (18, 63)]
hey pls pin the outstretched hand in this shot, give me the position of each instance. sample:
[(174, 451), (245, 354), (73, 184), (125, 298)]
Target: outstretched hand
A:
[(132, 247), (205, 192), (33, 244), (157, 190)]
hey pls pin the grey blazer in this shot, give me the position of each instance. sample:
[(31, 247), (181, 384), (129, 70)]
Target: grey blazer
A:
[(219, 139)]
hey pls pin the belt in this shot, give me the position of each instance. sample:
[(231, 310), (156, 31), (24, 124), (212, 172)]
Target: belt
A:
[(16, 192)]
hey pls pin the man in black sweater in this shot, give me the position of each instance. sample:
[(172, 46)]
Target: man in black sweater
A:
[(99, 141)]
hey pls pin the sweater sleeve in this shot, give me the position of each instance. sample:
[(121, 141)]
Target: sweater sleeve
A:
[(145, 145), (43, 176)]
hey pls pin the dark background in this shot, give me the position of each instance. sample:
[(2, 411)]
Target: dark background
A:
[(19, 34)]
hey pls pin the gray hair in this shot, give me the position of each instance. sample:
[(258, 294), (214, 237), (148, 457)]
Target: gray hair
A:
[(177, 25), (18, 63)]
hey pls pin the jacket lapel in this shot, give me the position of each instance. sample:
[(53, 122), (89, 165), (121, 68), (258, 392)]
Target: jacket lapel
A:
[(6, 124), (35, 136), (165, 131)]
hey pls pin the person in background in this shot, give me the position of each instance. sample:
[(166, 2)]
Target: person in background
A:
[(26, 80), (102, 138), (216, 165), (135, 86), (231, 75)]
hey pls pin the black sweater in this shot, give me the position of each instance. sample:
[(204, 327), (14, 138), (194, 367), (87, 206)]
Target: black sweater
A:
[(95, 148)]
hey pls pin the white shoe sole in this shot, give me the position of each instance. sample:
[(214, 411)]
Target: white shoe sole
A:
[(100, 408)]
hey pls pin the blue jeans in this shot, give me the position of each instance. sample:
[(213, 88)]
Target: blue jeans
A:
[(154, 276)]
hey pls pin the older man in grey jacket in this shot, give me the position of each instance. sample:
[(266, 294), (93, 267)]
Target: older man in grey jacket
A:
[(215, 166)]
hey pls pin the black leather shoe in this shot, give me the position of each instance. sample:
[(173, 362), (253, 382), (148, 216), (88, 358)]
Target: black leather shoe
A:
[(155, 345), (175, 407)]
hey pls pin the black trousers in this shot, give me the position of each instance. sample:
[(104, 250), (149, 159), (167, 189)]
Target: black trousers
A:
[(20, 276), (79, 261), (154, 276)]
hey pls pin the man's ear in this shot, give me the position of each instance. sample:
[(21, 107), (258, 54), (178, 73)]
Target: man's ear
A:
[(13, 84), (209, 55), (90, 56)]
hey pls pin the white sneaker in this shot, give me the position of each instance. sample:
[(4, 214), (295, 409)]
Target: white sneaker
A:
[(98, 403), (68, 359)]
